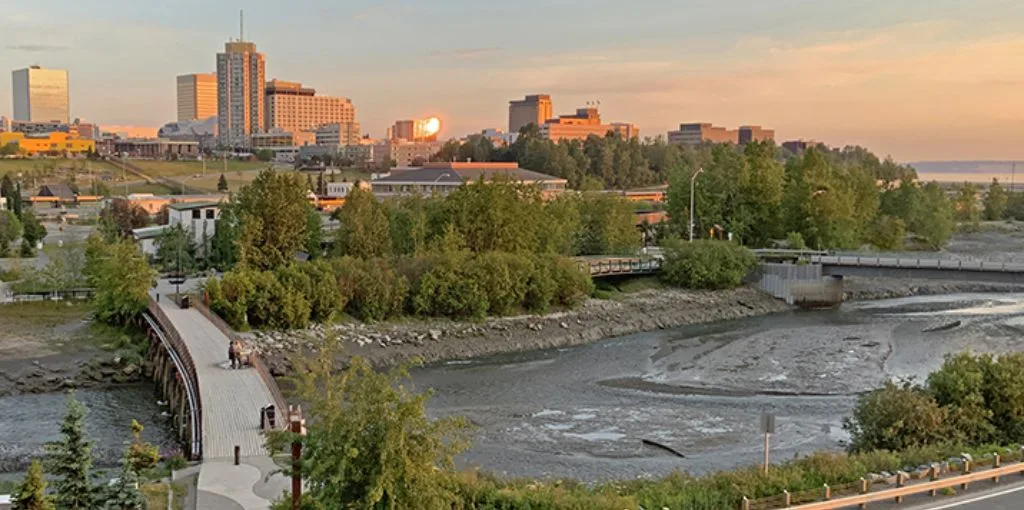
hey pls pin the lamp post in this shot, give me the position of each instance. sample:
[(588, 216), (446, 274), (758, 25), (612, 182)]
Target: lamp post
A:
[(692, 197)]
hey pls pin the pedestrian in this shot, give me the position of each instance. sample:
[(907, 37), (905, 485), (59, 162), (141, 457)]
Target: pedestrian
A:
[(232, 354)]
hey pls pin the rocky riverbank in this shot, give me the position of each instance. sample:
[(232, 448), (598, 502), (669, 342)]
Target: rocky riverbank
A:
[(869, 289), (90, 370)]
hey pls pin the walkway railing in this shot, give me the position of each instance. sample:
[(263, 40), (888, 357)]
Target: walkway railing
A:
[(254, 359), (619, 266), (905, 484), (183, 362)]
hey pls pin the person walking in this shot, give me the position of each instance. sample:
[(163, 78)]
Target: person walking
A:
[(233, 355)]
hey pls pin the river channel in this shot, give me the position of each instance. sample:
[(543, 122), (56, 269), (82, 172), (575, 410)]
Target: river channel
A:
[(584, 412)]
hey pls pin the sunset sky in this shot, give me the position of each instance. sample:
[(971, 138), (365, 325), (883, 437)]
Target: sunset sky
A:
[(917, 79)]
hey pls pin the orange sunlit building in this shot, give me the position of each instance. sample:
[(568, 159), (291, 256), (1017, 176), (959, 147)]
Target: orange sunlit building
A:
[(50, 143), (582, 124)]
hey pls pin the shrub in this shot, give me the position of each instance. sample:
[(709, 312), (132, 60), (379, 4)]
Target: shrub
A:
[(452, 289), (374, 290), (896, 417), (706, 264), (572, 286), (795, 241)]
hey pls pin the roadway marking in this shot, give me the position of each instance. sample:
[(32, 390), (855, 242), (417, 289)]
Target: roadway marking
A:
[(975, 499)]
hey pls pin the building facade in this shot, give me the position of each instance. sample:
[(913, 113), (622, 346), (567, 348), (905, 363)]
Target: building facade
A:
[(241, 83), (749, 134), (582, 124), (698, 133), (41, 95), (276, 139), (535, 109), (54, 143), (443, 178), (157, 149), (197, 218), (405, 153), (291, 107), (338, 134), (197, 96), (419, 130)]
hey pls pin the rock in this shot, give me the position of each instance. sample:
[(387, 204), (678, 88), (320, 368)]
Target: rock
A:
[(564, 325), (68, 383), (117, 360), (131, 369), (435, 334)]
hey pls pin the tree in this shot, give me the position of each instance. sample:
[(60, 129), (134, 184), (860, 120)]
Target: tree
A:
[(264, 155), (705, 264), (122, 279), (70, 460), (7, 190), (995, 201), (314, 233), (934, 221), (222, 184), (121, 217), (364, 230), (34, 232), (125, 494), (224, 244), (10, 231), (607, 226), (895, 418), (176, 249), (369, 443), (31, 493), (273, 211), (966, 204)]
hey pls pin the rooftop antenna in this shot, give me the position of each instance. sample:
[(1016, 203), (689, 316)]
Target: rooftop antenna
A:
[(241, 25)]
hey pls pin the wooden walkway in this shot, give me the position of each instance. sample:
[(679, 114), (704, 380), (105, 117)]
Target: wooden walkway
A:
[(231, 398)]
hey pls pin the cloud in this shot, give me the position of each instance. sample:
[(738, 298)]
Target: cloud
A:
[(466, 53), (37, 47)]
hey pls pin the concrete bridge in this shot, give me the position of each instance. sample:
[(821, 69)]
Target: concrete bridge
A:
[(900, 267)]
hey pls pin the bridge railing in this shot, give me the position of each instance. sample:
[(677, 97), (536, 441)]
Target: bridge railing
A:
[(619, 266), (254, 359), (917, 263), (186, 367)]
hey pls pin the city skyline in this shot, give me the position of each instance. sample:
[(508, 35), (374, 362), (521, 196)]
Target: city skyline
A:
[(918, 80)]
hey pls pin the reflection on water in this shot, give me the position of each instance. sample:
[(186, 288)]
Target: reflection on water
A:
[(29, 421)]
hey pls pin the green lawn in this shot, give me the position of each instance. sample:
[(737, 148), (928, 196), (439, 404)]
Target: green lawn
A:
[(36, 165), (189, 168)]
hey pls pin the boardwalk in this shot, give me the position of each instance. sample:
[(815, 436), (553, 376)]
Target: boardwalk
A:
[(231, 401)]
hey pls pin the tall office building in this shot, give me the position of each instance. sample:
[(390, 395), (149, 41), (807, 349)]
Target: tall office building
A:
[(41, 95), (535, 109), (197, 96), (241, 82), (292, 108)]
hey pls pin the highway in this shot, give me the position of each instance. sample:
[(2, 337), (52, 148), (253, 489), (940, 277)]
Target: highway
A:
[(995, 498)]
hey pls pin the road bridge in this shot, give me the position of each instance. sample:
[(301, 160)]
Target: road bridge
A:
[(900, 267)]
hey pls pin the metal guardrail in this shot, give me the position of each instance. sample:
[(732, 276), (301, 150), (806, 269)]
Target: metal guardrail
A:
[(825, 498), (917, 263), (182, 359), (254, 360)]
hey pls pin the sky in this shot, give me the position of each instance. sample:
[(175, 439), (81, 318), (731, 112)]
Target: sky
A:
[(915, 79)]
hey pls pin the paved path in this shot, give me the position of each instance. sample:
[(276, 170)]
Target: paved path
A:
[(231, 401)]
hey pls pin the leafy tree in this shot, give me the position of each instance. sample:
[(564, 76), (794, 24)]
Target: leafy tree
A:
[(705, 264), (895, 418), (409, 224), (125, 494), (888, 233), (273, 211), (224, 244), (369, 441), (176, 249), (264, 155), (222, 184), (7, 190), (607, 226), (375, 291), (314, 233), (99, 188), (364, 231), (70, 460), (31, 493), (10, 231), (34, 232), (122, 279), (934, 221), (163, 216), (122, 217), (968, 210), (995, 201)]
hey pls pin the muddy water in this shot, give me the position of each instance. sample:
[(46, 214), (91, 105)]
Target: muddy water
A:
[(583, 412)]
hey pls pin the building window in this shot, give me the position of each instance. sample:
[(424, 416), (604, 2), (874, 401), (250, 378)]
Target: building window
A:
[(209, 214), (196, 214)]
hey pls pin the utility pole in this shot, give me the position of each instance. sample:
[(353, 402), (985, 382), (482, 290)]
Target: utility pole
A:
[(1013, 175), (693, 181)]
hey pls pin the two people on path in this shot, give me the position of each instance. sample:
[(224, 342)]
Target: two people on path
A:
[(235, 354)]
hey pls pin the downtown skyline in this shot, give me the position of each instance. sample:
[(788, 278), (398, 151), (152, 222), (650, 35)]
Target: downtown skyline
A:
[(919, 80)]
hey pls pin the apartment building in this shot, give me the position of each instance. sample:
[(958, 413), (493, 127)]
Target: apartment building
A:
[(346, 133), (293, 108), (241, 80)]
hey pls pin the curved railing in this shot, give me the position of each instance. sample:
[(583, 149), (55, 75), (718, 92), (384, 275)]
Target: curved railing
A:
[(254, 359), (622, 266), (182, 359)]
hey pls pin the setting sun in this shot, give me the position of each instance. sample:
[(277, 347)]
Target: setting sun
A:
[(432, 125)]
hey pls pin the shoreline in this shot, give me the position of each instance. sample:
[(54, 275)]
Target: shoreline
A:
[(433, 341)]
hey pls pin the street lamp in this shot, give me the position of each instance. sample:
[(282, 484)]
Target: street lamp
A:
[(692, 182)]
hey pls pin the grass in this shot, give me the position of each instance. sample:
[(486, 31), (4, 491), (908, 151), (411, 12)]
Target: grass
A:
[(611, 288), (189, 168), (157, 493), (154, 188), (37, 165)]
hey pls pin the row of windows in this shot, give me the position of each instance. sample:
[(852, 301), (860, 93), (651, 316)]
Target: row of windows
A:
[(197, 214)]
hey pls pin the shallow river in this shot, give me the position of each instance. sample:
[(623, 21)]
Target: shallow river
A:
[(583, 412)]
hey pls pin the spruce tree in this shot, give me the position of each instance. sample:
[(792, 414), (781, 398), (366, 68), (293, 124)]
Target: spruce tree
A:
[(222, 184), (125, 494), (31, 494), (70, 461)]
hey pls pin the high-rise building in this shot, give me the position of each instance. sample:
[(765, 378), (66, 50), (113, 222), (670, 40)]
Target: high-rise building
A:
[(535, 109), (292, 108), (241, 82), (419, 130), (41, 95), (197, 96), (582, 124), (748, 134)]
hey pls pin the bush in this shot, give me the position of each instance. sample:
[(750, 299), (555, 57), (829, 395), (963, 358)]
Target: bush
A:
[(572, 286), (795, 241), (452, 289), (896, 417), (706, 264), (374, 290)]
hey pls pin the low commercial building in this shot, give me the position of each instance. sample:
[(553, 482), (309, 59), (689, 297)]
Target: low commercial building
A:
[(277, 139), (338, 134), (583, 124), (750, 134), (157, 149), (152, 204), (405, 153), (53, 143), (443, 178), (698, 133), (199, 219)]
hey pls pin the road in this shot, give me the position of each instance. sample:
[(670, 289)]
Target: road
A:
[(980, 496)]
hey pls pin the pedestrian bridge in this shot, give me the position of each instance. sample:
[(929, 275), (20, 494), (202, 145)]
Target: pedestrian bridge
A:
[(603, 267)]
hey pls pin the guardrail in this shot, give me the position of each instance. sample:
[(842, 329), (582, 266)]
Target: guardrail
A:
[(859, 494), (254, 359), (917, 263), (623, 266), (182, 359)]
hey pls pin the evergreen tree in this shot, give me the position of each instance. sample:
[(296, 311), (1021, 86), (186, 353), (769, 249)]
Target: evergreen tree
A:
[(7, 190), (222, 184), (17, 200), (33, 232), (31, 494), (125, 494), (996, 201), (70, 461), (321, 188)]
